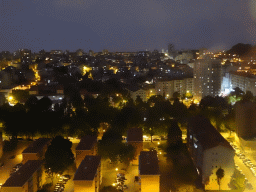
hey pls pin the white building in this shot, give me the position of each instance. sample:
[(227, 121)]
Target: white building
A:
[(245, 81), (210, 151), (166, 88), (207, 77)]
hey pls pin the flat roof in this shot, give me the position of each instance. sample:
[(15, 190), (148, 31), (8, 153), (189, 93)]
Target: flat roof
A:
[(88, 168), (135, 134), (37, 145), (19, 178), (86, 142), (148, 163)]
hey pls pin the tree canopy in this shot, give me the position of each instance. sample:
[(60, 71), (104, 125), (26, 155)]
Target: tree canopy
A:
[(59, 156)]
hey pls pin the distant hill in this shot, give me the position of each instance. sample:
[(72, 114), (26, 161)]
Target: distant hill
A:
[(240, 49)]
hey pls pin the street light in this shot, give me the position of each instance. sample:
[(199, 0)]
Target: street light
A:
[(116, 169)]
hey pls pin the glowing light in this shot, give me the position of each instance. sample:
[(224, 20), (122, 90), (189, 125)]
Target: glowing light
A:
[(116, 169)]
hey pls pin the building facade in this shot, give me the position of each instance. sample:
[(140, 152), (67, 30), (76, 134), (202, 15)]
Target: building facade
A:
[(86, 146), (29, 178), (36, 150), (166, 88), (245, 81), (149, 171), (210, 152), (135, 138), (207, 77), (88, 176)]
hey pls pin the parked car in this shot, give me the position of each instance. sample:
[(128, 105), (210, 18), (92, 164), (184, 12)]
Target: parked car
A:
[(66, 177)]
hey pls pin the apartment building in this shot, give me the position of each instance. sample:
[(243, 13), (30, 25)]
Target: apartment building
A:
[(245, 81), (36, 150), (142, 93), (88, 176), (166, 88), (209, 152), (207, 77), (29, 178), (86, 146), (149, 171), (135, 138)]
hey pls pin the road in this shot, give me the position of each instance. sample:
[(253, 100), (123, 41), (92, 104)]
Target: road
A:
[(245, 170)]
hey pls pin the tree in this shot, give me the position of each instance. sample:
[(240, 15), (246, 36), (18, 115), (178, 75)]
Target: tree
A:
[(174, 139), (109, 146), (248, 96), (31, 103), (220, 175), (138, 100), (58, 156), (237, 181), (126, 153), (44, 104), (176, 95)]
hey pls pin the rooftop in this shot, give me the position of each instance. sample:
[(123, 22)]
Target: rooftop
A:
[(37, 145), (206, 133), (243, 74), (86, 142), (134, 134), (148, 163), (19, 178), (88, 168)]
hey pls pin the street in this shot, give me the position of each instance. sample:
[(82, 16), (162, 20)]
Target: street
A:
[(245, 170)]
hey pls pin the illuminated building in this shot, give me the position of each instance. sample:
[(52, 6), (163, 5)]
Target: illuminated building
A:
[(135, 138), (86, 146), (29, 177), (166, 88), (149, 171), (207, 77), (88, 176), (245, 81), (36, 150), (209, 152)]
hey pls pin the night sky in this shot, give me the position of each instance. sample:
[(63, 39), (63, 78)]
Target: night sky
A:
[(125, 25)]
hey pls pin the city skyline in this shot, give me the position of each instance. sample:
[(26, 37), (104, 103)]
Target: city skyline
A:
[(125, 26)]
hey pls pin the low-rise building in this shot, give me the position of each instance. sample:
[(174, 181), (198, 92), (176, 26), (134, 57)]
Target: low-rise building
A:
[(36, 150), (88, 176), (54, 92), (86, 146), (29, 178), (149, 172), (135, 138), (209, 152)]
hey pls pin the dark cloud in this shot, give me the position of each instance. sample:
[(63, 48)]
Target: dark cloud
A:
[(120, 25)]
